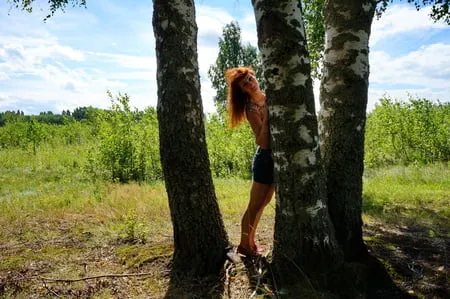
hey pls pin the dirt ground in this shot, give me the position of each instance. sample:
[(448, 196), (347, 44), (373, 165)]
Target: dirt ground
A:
[(416, 262)]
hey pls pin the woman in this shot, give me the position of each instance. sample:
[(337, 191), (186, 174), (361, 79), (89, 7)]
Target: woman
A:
[(247, 101)]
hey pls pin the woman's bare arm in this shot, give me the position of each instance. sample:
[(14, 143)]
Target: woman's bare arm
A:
[(260, 126)]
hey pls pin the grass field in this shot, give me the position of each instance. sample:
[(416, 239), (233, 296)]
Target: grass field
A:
[(56, 222)]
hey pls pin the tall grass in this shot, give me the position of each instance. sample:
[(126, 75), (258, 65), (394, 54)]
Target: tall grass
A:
[(55, 214), (54, 183), (409, 195), (44, 192)]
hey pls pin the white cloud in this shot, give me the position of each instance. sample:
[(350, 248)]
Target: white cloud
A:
[(143, 75), (54, 73), (24, 58), (429, 66), (59, 51), (146, 37), (206, 57), (37, 50), (208, 94), (400, 19), (128, 61), (210, 20), (38, 70), (249, 19), (4, 76), (5, 101), (54, 65), (422, 72), (248, 29), (70, 86)]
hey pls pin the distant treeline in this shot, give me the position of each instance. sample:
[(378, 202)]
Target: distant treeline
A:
[(48, 117), (123, 144)]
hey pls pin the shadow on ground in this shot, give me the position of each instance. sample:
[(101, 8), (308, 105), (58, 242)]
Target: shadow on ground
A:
[(416, 262), (211, 287)]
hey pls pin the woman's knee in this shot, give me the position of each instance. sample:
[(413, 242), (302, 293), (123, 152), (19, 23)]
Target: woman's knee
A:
[(256, 206)]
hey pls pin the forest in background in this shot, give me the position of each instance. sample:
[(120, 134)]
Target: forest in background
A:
[(122, 143)]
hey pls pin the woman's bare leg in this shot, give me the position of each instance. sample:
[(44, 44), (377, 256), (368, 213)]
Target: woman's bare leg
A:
[(254, 225), (260, 196)]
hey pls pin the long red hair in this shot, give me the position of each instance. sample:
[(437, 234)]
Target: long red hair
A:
[(236, 97)]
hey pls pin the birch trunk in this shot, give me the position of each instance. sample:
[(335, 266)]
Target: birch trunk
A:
[(343, 99), (305, 249), (199, 235)]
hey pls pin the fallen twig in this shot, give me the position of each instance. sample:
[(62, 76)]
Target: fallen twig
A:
[(258, 276), (48, 279), (228, 266), (50, 290), (274, 282)]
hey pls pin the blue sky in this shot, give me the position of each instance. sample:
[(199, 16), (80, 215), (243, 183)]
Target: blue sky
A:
[(76, 56)]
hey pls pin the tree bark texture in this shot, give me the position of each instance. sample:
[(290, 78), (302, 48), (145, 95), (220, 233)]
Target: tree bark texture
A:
[(305, 249), (342, 119), (199, 235)]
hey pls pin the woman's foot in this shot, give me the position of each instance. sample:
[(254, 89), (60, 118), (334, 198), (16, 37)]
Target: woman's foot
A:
[(254, 250), (248, 252)]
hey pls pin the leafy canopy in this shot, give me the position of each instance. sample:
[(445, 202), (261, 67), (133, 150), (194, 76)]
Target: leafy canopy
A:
[(315, 32), (439, 8), (312, 8), (54, 5)]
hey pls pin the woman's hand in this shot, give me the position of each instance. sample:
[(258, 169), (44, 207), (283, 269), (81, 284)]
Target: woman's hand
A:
[(259, 121)]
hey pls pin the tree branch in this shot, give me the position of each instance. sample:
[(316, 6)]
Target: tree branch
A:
[(48, 279)]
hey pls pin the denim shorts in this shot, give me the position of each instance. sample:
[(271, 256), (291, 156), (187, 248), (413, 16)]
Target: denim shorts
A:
[(263, 166)]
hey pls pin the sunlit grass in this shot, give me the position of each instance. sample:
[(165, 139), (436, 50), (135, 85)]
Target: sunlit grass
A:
[(412, 196), (55, 219), (53, 215), (42, 195), (51, 188)]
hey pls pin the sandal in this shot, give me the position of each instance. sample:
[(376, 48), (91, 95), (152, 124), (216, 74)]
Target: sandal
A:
[(258, 249)]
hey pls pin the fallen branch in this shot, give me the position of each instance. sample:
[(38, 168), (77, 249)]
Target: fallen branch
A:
[(258, 275), (50, 290), (93, 277)]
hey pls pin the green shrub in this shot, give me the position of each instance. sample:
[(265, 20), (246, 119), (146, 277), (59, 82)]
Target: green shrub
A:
[(13, 135), (133, 230), (417, 131), (230, 150), (128, 147)]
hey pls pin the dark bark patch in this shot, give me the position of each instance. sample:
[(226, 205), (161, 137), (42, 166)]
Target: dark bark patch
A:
[(341, 39)]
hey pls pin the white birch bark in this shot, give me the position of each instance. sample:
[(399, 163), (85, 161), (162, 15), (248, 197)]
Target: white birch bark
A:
[(343, 99), (200, 239), (304, 236)]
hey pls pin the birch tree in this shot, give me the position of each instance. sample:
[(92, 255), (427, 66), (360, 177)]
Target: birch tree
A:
[(343, 100), (200, 239), (305, 250)]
